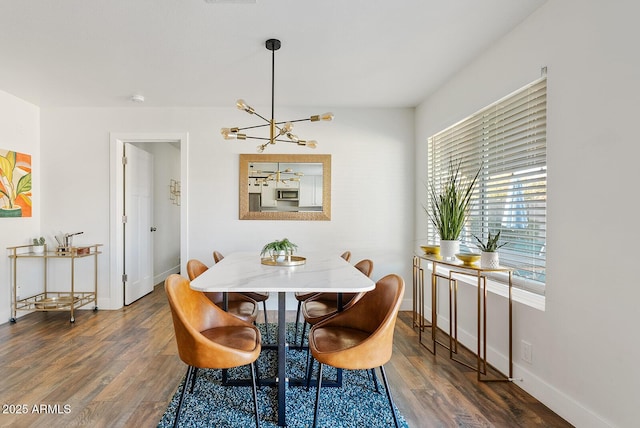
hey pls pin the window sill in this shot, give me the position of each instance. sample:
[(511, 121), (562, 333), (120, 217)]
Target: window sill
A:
[(519, 295)]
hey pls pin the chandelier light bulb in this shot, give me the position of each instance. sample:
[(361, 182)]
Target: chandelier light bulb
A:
[(243, 106), (312, 144), (324, 116)]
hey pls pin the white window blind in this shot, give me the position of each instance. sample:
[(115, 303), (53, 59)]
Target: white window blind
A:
[(507, 142)]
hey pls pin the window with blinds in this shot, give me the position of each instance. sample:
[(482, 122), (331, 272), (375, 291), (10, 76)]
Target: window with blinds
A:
[(506, 141)]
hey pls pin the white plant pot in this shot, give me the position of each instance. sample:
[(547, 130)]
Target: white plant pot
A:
[(448, 249), (489, 260), (38, 249)]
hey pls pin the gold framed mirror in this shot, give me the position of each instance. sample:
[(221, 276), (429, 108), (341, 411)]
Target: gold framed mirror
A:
[(285, 187)]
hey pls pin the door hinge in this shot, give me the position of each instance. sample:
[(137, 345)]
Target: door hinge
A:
[(124, 277), (124, 160), (124, 219)]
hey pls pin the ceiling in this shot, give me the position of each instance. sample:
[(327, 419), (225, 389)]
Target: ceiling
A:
[(200, 53)]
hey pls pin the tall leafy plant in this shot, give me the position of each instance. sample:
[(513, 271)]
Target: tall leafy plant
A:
[(450, 203)]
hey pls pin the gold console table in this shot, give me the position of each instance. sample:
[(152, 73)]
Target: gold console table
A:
[(47, 300), (457, 268)]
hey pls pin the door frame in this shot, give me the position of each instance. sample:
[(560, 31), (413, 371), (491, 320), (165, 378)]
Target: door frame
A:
[(116, 238)]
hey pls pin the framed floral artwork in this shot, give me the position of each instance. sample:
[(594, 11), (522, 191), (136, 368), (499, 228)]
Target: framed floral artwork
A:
[(15, 184)]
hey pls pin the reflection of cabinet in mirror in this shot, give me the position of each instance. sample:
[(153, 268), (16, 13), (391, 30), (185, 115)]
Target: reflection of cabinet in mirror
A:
[(285, 187), (310, 191)]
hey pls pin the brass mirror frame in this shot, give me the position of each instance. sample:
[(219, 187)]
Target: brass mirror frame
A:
[(246, 159)]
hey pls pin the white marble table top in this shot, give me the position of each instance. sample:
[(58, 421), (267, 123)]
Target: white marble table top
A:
[(322, 272)]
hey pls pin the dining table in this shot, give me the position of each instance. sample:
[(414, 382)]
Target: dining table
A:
[(322, 272)]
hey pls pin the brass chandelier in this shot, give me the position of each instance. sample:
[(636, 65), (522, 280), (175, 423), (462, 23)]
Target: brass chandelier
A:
[(278, 131)]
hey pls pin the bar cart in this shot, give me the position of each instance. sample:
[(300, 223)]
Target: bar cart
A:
[(47, 300)]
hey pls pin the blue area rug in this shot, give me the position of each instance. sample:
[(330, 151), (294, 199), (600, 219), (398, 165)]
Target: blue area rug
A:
[(356, 404)]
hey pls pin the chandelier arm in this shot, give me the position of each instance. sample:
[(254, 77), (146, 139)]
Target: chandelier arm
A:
[(249, 137), (293, 121), (261, 117), (253, 127)]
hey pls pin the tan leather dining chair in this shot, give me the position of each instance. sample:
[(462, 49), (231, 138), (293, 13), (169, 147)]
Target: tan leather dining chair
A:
[(208, 337), (323, 305), (241, 306), (302, 296), (255, 295), (361, 337)]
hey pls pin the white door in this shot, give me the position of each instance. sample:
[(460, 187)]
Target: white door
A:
[(138, 241)]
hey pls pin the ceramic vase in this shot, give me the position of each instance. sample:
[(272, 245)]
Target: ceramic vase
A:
[(489, 260), (448, 249)]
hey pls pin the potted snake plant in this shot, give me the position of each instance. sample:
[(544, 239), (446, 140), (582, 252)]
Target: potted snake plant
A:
[(449, 207), (489, 256)]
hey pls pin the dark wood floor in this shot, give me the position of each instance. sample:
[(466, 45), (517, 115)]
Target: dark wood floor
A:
[(120, 369)]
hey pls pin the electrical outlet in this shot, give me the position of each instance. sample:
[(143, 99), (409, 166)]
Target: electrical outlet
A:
[(527, 351)]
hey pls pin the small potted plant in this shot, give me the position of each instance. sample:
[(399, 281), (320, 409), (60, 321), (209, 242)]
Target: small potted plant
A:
[(489, 257), (279, 250), (38, 245), (449, 207)]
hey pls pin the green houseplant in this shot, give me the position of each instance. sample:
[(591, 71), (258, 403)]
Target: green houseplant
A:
[(489, 257), (279, 249), (449, 206), (491, 244), (38, 245)]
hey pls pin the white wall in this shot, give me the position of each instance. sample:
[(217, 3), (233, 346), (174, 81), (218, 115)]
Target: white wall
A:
[(372, 182), (19, 131), (585, 344)]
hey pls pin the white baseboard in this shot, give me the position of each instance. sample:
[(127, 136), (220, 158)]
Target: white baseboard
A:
[(559, 402), (162, 276)]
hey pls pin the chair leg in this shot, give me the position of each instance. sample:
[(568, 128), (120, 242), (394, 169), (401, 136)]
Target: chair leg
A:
[(187, 380), (193, 379), (315, 412), (310, 361), (295, 337), (375, 380), (266, 322), (386, 387), (255, 393), (304, 330)]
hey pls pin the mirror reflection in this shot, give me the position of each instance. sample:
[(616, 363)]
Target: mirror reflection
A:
[(285, 187)]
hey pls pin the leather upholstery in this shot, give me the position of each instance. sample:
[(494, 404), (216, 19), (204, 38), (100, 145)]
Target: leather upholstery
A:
[(239, 305), (207, 336), (346, 255), (322, 305), (360, 337)]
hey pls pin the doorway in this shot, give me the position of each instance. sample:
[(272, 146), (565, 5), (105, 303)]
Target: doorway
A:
[(119, 276)]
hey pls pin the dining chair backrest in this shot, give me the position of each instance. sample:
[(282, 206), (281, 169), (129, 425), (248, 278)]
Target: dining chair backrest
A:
[(217, 256), (365, 266), (375, 313), (193, 314), (346, 255), (195, 268)]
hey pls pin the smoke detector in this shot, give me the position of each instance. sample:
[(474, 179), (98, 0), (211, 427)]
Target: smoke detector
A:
[(137, 98)]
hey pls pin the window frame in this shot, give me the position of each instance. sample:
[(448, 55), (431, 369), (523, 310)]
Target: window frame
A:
[(506, 140)]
